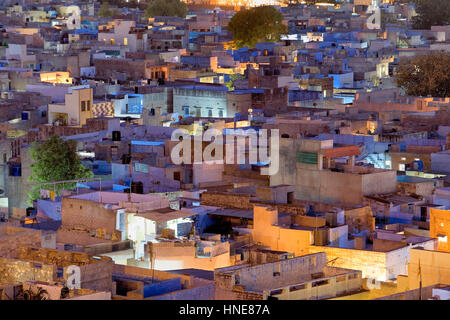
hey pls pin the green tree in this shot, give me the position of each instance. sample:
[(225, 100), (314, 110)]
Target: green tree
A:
[(172, 8), (425, 75), (431, 13), (105, 10), (233, 78), (55, 160), (260, 24)]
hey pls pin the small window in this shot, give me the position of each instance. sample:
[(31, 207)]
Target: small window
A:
[(88, 105), (297, 287), (83, 105), (60, 272), (340, 279), (314, 261), (276, 292), (320, 283)]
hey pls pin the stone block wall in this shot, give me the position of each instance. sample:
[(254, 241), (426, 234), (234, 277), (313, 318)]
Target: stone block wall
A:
[(11, 238)]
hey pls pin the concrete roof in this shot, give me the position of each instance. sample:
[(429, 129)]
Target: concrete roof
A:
[(235, 213), (165, 214)]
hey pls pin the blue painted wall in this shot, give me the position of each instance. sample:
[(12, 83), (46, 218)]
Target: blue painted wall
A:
[(162, 287)]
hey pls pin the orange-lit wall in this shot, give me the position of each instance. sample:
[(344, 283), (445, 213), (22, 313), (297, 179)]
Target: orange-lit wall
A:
[(440, 228)]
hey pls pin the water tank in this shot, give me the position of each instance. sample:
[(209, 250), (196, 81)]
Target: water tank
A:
[(15, 170), (116, 136), (30, 211), (126, 159), (137, 187)]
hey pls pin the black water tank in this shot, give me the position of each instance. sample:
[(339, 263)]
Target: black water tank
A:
[(30, 211), (15, 170), (126, 159), (137, 187), (116, 136)]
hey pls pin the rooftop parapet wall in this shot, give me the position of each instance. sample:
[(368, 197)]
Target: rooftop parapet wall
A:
[(272, 275), (58, 257), (12, 238), (14, 271)]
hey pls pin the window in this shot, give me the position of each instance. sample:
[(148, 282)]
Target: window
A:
[(352, 276), (297, 287), (210, 113), (88, 105), (340, 279), (220, 113), (277, 272), (83, 105), (320, 283), (275, 292), (237, 279)]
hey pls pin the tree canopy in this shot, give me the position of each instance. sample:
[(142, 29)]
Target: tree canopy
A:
[(431, 13), (175, 8), (260, 24), (233, 78), (55, 160), (425, 75), (105, 11)]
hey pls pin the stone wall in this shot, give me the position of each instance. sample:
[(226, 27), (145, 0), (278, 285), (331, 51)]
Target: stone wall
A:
[(95, 272), (11, 238), (15, 271), (243, 201), (87, 215)]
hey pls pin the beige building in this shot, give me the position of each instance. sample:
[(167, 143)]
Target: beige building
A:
[(270, 230), (323, 172), (302, 278), (74, 111), (427, 267)]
